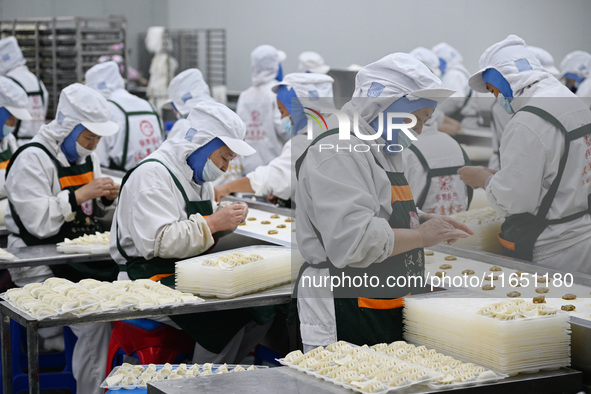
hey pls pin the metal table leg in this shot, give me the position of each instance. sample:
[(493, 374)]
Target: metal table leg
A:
[(33, 356), (6, 353)]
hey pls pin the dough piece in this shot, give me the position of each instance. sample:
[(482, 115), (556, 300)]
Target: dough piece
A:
[(289, 220), (450, 258), (429, 253), (569, 297), (281, 226), (513, 294), (542, 290), (272, 232), (265, 222), (488, 287), (440, 274), (542, 279), (568, 308), (251, 218), (274, 216), (491, 277), (468, 272), (495, 268), (539, 300), (242, 224), (445, 266)]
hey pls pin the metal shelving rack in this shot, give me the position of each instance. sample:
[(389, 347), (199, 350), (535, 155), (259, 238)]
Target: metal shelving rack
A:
[(59, 50), (204, 49)]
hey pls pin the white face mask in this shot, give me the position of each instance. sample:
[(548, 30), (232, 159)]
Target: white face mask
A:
[(7, 129), (211, 172), (82, 151)]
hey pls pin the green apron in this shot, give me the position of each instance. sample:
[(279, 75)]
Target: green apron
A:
[(374, 315), (212, 330), (71, 178), (5, 158), (437, 172), (520, 231), (29, 94), (121, 167)]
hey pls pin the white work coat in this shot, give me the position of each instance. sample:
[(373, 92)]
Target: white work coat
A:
[(33, 188), (447, 194), (37, 102), (456, 78), (530, 153), (257, 107), (500, 118), (151, 219), (142, 131), (8, 142), (355, 230)]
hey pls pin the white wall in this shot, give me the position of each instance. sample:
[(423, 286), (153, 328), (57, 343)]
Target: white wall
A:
[(356, 31), (140, 14)]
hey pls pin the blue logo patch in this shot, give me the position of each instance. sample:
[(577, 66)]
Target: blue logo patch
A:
[(60, 117), (102, 85), (6, 57), (313, 94), (190, 134), (186, 97), (522, 65), (375, 89)]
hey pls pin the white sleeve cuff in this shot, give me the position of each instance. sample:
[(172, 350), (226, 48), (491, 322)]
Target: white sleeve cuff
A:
[(63, 199)]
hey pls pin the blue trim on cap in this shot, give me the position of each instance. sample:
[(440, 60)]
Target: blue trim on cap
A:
[(197, 159), (495, 78)]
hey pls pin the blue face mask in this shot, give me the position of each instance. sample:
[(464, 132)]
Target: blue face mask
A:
[(69, 144), (505, 103), (286, 123)]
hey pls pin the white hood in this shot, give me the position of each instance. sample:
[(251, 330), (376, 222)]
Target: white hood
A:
[(14, 99), (309, 85), (511, 57), (264, 62), (429, 59), (388, 79), (105, 78), (545, 59), (312, 62), (78, 104), (447, 53), (11, 55), (575, 63), (187, 89)]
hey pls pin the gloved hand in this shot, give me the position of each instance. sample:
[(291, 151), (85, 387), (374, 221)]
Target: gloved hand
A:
[(100, 187), (442, 228), (227, 217)]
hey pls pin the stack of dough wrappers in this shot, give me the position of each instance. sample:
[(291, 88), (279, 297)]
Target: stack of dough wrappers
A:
[(58, 296), (240, 271), (506, 336), (486, 224), (97, 243)]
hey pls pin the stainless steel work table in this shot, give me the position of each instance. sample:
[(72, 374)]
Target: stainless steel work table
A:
[(31, 256), (275, 296), (289, 381)]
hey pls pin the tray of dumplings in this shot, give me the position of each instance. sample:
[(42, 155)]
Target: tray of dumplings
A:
[(237, 272), (58, 296), (128, 376), (269, 227), (97, 243), (360, 368)]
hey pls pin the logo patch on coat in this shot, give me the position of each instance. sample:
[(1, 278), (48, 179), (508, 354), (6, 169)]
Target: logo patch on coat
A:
[(146, 128)]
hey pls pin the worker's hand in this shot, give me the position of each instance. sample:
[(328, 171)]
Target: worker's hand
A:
[(221, 191), (442, 229), (475, 176), (228, 217), (450, 126), (271, 199), (100, 187)]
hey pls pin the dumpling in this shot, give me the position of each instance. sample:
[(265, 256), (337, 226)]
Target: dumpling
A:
[(292, 356), (238, 368)]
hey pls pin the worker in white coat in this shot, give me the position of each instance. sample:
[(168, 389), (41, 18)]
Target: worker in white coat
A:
[(14, 66), (276, 180), (13, 107), (500, 117), (461, 106), (55, 190), (431, 165), (312, 62), (430, 59), (257, 107), (573, 69), (166, 214), (184, 91), (141, 129), (544, 183), (355, 210)]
